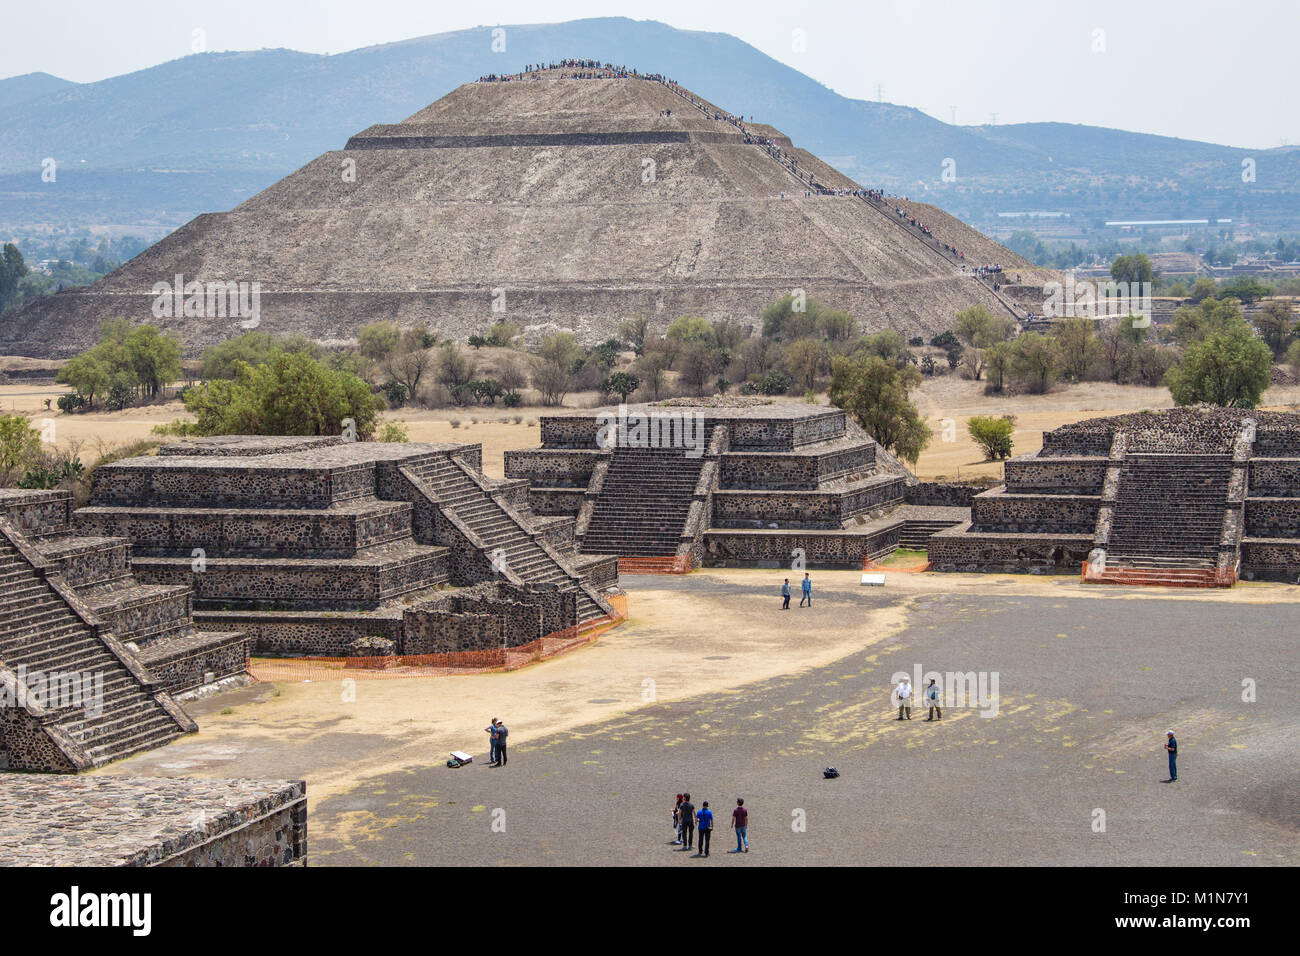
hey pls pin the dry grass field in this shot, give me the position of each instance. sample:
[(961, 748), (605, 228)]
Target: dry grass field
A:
[(947, 402)]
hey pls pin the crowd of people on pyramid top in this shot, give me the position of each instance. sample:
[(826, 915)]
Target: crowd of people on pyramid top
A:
[(580, 70)]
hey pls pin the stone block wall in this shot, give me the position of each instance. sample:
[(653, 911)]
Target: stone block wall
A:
[(295, 635), (1273, 517), (960, 549), (1059, 475), (775, 549), (1010, 513), (944, 494), (36, 513)]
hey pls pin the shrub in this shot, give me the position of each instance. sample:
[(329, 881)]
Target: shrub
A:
[(774, 382), (993, 434), (70, 402), (393, 432), (512, 400)]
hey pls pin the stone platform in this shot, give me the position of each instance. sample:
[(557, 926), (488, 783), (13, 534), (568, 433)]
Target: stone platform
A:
[(759, 481), (1204, 490), (312, 544), (151, 821)]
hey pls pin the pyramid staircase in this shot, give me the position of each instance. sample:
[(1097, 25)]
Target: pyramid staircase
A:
[(514, 549), (644, 502), (1168, 522), (46, 629)]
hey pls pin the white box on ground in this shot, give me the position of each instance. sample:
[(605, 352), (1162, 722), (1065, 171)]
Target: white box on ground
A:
[(461, 756), (874, 580)]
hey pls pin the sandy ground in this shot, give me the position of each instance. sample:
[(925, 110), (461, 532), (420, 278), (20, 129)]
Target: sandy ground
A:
[(947, 402), (714, 643)]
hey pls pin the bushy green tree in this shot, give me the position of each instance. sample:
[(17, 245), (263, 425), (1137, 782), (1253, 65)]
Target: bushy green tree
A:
[(1230, 366), (993, 434), (875, 393), (291, 394), (20, 444)]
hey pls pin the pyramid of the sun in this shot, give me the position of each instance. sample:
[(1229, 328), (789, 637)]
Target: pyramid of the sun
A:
[(570, 203)]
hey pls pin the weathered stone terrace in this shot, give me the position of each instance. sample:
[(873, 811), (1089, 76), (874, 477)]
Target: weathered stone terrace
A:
[(151, 821)]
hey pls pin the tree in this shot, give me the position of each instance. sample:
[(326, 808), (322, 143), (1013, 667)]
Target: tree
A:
[(653, 365), (88, 375), (1230, 366), (997, 364), (887, 344), (291, 394), (1276, 324), (453, 367), (805, 359), (554, 365), (993, 435), (728, 336), (633, 332), (690, 328), (378, 340), (12, 271), (511, 375), (20, 445), (503, 334), (409, 361), (222, 360), (699, 363), (1192, 323), (977, 329), (791, 318), (1245, 289), (874, 392), (1079, 347), (1036, 359), (1132, 269), (835, 325), (1203, 288), (155, 358), (1293, 356), (621, 384)]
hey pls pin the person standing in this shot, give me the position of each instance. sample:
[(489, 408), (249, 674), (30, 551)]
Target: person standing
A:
[(1171, 745), (933, 700), (740, 823), (492, 742), (502, 733), (785, 595), (904, 692), (687, 812), (705, 819), (806, 584), (677, 820)]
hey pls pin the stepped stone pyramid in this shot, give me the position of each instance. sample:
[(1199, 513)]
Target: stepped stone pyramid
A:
[(1195, 496), (89, 656), (562, 202), (312, 545), (752, 483)]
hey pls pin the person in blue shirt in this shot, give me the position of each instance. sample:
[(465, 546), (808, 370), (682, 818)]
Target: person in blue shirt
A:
[(705, 822), (785, 595), (1171, 745), (806, 584)]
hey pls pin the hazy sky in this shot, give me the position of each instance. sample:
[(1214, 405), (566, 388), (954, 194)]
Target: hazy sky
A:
[(1226, 72)]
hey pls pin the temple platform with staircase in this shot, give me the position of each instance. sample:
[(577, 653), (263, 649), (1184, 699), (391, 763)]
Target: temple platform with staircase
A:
[(692, 483), (310, 545), (1189, 497), (91, 658)]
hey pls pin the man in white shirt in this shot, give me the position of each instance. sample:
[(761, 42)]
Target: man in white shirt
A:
[(904, 692)]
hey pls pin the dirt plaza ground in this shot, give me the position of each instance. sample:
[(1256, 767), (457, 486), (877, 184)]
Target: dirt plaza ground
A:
[(710, 688)]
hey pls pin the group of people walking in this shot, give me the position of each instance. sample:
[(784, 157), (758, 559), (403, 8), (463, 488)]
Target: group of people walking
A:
[(805, 586), (688, 822)]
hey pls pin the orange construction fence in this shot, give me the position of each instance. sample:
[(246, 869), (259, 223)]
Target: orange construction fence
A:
[(870, 564), (439, 665), (1161, 577), (676, 564)]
